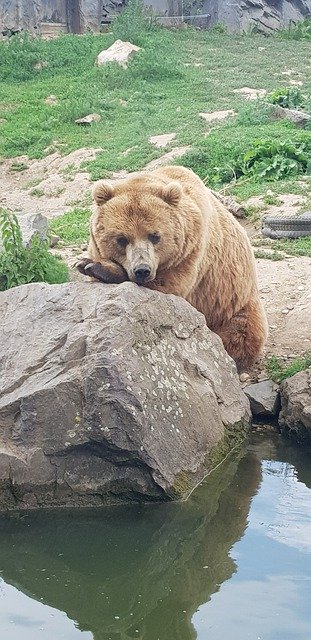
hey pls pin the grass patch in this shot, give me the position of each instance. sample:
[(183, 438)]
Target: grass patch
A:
[(298, 247), (278, 371), (162, 91), (72, 227), (269, 255), (271, 151)]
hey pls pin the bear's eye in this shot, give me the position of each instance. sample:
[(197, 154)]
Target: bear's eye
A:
[(154, 238), (122, 241)]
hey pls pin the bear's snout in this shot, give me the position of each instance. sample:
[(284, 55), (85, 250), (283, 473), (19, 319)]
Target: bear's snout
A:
[(142, 273)]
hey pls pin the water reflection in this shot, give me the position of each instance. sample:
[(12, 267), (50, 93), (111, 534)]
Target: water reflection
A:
[(133, 572), (208, 569)]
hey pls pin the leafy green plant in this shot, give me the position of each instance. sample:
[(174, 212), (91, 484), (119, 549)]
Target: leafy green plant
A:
[(287, 97), (279, 372), (273, 160), (20, 264)]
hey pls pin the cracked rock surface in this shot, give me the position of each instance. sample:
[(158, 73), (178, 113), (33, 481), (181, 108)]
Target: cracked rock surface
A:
[(110, 393)]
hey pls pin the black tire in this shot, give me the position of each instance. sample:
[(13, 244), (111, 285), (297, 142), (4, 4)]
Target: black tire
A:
[(285, 227)]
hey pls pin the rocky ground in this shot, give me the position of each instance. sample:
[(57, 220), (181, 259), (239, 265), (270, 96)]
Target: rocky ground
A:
[(55, 184)]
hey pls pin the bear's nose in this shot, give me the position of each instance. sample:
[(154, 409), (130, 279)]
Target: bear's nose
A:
[(141, 272)]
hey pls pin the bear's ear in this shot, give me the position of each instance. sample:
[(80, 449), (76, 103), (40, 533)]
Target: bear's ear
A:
[(171, 193), (103, 191)]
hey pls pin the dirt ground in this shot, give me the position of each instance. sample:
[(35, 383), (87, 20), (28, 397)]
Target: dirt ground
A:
[(56, 183)]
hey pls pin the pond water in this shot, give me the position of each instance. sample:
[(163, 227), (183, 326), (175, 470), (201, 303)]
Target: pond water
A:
[(233, 562)]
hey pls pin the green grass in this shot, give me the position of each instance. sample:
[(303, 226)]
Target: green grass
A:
[(278, 371), (72, 227), (157, 94), (298, 247)]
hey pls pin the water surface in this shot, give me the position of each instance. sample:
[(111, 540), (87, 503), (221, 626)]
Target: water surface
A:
[(233, 562)]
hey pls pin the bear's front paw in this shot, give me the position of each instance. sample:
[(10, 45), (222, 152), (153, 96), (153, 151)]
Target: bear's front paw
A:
[(82, 264), (92, 269)]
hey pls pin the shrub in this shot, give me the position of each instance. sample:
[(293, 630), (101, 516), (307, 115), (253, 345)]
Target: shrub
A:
[(21, 265)]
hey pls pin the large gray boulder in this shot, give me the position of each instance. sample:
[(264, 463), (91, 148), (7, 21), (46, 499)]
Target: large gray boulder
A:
[(295, 416), (264, 399), (110, 393)]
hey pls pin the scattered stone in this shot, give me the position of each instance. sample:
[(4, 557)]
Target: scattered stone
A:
[(3, 120), (54, 240), (262, 376), (244, 377), (296, 83), (119, 52), (217, 115), (301, 287), (31, 224), (264, 399), (162, 140), (88, 120), (83, 247), (295, 415), (251, 94), (120, 380), (51, 100), (285, 311), (177, 152), (297, 117), (288, 72), (43, 64)]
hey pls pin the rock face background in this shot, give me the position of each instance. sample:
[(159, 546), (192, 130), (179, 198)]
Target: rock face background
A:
[(74, 16), (110, 393), (265, 15)]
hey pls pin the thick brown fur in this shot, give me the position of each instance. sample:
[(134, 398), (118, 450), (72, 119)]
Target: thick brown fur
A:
[(171, 223)]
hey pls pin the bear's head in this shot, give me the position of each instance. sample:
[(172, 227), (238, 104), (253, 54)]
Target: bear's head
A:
[(141, 224)]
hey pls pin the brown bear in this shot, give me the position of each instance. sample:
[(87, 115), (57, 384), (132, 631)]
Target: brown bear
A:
[(165, 230)]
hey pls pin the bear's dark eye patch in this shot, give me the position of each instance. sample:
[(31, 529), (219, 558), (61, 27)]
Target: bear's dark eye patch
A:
[(154, 238), (122, 241)]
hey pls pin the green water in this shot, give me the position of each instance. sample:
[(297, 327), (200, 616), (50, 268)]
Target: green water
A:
[(234, 562)]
